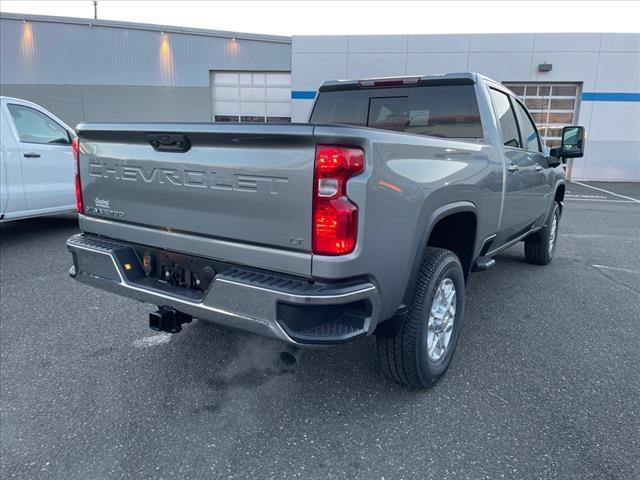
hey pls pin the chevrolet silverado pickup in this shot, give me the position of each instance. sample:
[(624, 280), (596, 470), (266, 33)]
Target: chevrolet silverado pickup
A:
[(366, 220)]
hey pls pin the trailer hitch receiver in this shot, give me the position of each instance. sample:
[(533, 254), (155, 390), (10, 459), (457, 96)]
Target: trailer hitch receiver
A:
[(168, 320)]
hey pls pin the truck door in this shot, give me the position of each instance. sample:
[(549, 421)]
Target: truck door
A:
[(531, 142), (6, 143), (46, 157), (11, 190), (520, 208)]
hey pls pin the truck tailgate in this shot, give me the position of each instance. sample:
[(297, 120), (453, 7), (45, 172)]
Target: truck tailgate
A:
[(245, 183)]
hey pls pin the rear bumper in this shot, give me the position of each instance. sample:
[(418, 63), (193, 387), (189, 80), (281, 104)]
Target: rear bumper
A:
[(291, 310)]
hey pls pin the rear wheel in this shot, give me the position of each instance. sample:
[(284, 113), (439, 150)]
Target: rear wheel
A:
[(421, 351), (541, 246)]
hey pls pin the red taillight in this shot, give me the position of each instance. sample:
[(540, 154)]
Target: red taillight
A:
[(335, 218), (75, 147)]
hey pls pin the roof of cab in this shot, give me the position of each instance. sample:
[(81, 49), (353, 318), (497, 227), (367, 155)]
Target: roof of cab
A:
[(461, 77)]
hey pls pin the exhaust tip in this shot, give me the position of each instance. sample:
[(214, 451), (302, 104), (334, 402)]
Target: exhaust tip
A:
[(288, 359), (289, 356)]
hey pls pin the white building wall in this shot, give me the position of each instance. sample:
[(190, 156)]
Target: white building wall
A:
[(607, 65)]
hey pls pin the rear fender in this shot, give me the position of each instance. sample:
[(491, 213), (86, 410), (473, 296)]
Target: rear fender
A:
[(435, 216)]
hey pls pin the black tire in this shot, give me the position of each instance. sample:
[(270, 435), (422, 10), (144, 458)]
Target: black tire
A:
[(540, 247), (404, 357)]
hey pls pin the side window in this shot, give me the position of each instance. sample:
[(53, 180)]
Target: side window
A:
[(506, 117), (528, 131), (35, 127)]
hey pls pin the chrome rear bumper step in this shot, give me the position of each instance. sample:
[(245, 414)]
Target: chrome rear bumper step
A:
[(295, 311)]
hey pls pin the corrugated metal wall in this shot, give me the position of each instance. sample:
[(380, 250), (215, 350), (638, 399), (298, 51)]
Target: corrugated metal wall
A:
[(85, 70), (51, 53)]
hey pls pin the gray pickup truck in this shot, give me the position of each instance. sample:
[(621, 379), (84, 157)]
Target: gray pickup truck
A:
[(366, 220)]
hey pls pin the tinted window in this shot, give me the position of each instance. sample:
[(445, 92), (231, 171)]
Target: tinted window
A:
[(347, 106), (506, 118), (35, 127), (442, 111), (528, 131)]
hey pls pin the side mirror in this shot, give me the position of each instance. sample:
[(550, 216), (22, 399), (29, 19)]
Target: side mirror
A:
[(553, 160), (572, 145)]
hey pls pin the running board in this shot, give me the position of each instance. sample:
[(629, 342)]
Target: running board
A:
[(483, 263)]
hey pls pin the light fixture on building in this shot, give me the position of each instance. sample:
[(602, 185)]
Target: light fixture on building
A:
[(545, 67), (233, 39)]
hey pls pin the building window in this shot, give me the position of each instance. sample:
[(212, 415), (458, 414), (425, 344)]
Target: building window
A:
[(226, 118), (552, 106), (278, 119), (251, 96)]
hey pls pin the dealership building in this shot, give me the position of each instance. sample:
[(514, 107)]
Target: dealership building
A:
[(105, 71)]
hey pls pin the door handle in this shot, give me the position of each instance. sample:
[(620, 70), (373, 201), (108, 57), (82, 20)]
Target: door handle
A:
[(31, 155), (169, 142), (538, 167), (513, 168)]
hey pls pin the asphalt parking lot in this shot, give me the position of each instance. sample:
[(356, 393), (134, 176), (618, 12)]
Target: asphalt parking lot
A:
[(545, 382)]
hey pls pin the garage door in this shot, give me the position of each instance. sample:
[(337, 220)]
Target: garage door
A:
[(251, 96), (552, 106)]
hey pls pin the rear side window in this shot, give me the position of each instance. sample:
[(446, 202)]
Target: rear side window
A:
[(506, 118), (35, 127), (449, 111)]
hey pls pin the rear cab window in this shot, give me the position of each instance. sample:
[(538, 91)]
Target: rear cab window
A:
[(447, 111)]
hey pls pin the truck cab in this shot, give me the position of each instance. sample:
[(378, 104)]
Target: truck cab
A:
[(36, 161)]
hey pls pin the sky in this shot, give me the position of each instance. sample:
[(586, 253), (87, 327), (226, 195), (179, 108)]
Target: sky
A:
[(356, 17)]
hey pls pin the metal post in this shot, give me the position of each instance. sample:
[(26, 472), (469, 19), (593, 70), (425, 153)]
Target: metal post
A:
[(95, 9)]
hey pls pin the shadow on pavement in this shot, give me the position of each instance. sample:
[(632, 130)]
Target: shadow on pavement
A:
[(16, 229)]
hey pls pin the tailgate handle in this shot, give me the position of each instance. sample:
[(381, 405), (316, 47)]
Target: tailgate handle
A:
[(169, 142)]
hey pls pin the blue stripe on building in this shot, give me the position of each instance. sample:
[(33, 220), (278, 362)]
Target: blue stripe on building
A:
[(610, 97), (303, 95)]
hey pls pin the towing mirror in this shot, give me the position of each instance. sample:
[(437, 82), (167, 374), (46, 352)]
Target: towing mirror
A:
[(572, 142)]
